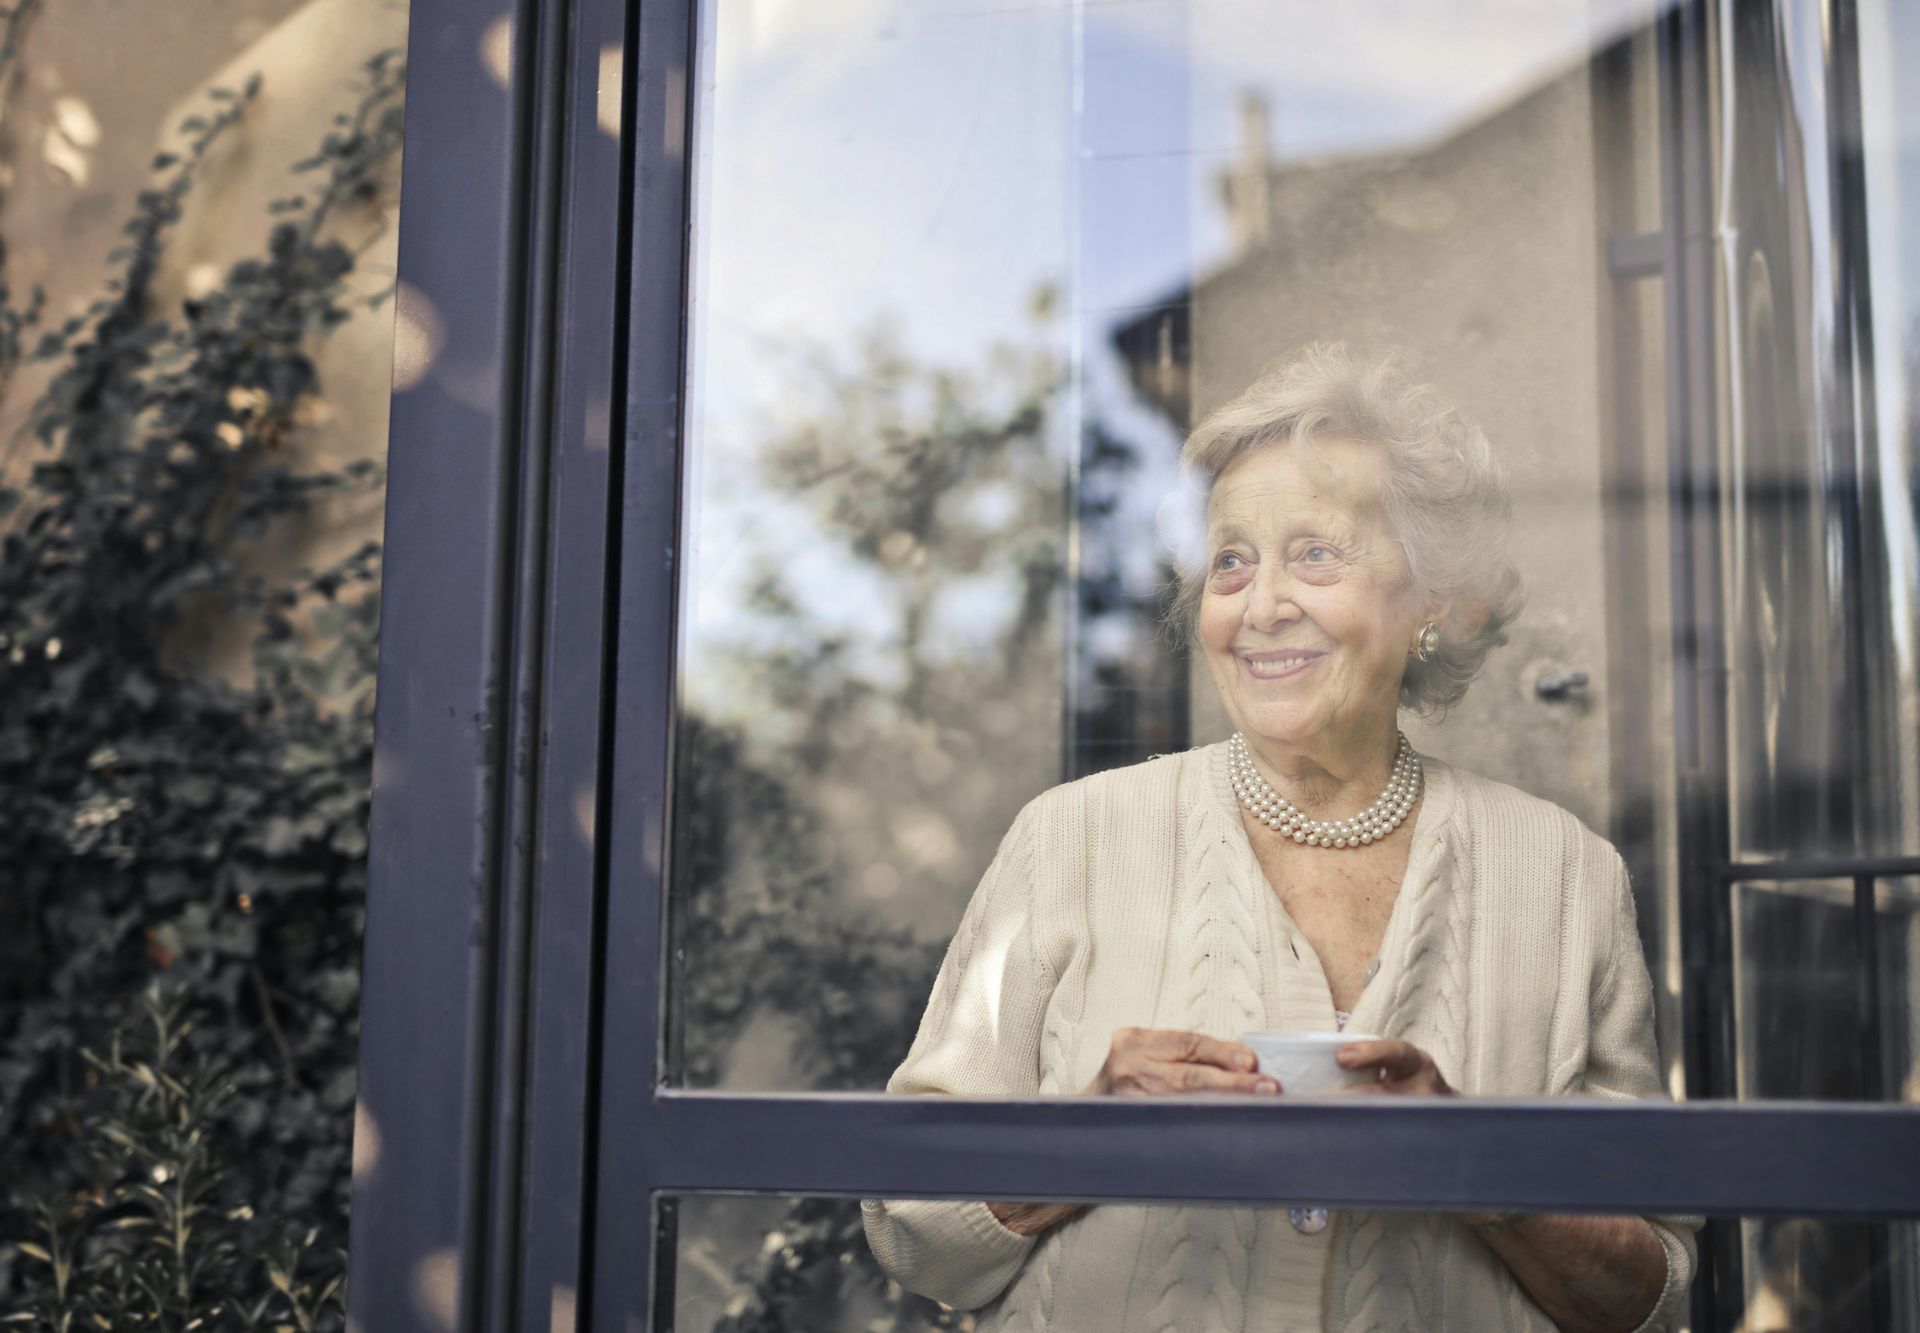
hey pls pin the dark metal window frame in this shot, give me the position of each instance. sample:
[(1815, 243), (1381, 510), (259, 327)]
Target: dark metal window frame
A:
[(518, 1130)]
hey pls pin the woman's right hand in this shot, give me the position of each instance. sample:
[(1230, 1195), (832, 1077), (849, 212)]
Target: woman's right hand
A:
[(1156, 1062)]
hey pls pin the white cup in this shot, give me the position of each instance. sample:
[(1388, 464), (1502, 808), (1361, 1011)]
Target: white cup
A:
[(1305, 1063)]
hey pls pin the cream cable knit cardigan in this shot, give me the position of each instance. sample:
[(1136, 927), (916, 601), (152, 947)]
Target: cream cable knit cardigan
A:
[(1133, 898)]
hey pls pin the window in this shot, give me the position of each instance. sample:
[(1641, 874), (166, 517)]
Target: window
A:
[(923, 300)]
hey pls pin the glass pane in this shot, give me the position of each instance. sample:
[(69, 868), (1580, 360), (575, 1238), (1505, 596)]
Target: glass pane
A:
[(1797, 955), (1897, 978), (1803, 1273), (1813, 1020), (923, 580), (871, 681), (1822, 465), (770, 1264), (966, 282), (1889, 146)]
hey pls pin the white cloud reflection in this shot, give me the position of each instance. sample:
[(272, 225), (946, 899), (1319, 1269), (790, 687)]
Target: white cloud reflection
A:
[(936, 160), (1347, 77), (931, 163)]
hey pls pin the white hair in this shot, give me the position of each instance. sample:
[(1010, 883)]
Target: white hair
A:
[(1442, 491)]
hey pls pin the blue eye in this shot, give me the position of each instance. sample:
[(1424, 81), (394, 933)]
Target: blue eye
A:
[(1221, 563), (1317, 553)]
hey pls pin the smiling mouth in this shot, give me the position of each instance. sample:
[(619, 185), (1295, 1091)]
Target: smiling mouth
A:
[(1276, 666)]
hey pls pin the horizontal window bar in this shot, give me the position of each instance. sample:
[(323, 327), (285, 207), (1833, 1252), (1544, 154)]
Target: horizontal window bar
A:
[(1837, 867), (1570, 1155)]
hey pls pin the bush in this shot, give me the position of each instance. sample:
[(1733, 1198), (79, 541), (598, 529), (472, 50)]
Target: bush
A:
[(156, 819), (155, 1227)]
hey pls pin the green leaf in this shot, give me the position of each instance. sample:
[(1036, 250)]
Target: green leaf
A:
[(201, 853)]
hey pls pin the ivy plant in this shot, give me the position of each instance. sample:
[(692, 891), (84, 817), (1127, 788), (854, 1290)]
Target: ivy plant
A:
[(159, 820)]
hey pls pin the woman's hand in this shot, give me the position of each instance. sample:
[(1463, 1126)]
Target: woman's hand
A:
[(1030, 1219), (1148, 1061), (1590, 1274), (1587, 1273), (1142, 1062), (1402, 1066)]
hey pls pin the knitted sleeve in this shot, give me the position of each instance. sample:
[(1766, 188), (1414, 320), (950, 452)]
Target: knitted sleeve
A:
[(979, 1037), (1623, 1062)]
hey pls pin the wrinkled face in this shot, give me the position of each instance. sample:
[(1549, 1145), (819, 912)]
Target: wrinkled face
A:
[(1309, 610)]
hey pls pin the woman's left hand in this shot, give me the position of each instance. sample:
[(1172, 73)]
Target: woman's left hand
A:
[(1403, 1067)]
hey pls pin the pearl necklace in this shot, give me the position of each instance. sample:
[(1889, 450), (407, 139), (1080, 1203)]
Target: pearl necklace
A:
[(1283, 816)]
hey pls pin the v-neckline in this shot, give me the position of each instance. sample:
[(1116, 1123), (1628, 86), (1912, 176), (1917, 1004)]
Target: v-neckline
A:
[(1369, 1012)]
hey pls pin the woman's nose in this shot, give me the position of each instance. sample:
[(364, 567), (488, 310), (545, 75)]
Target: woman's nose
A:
[(1270, 601)]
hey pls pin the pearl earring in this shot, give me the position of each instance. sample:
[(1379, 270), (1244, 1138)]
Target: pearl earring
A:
[(1428, 643)]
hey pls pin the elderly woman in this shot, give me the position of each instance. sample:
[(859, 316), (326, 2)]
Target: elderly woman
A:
[(1310, 871)]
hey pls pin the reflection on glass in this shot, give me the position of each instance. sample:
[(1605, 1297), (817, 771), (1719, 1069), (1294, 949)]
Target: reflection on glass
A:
[(966, 281), (1814, 1019), (1889, 147), (1897, 976), (966, 278), (1797, 960), (875, 584), (1805, 1274), (933, 446), (776, 1264), (1789, 618), (771, 1263), (1820, 449)]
